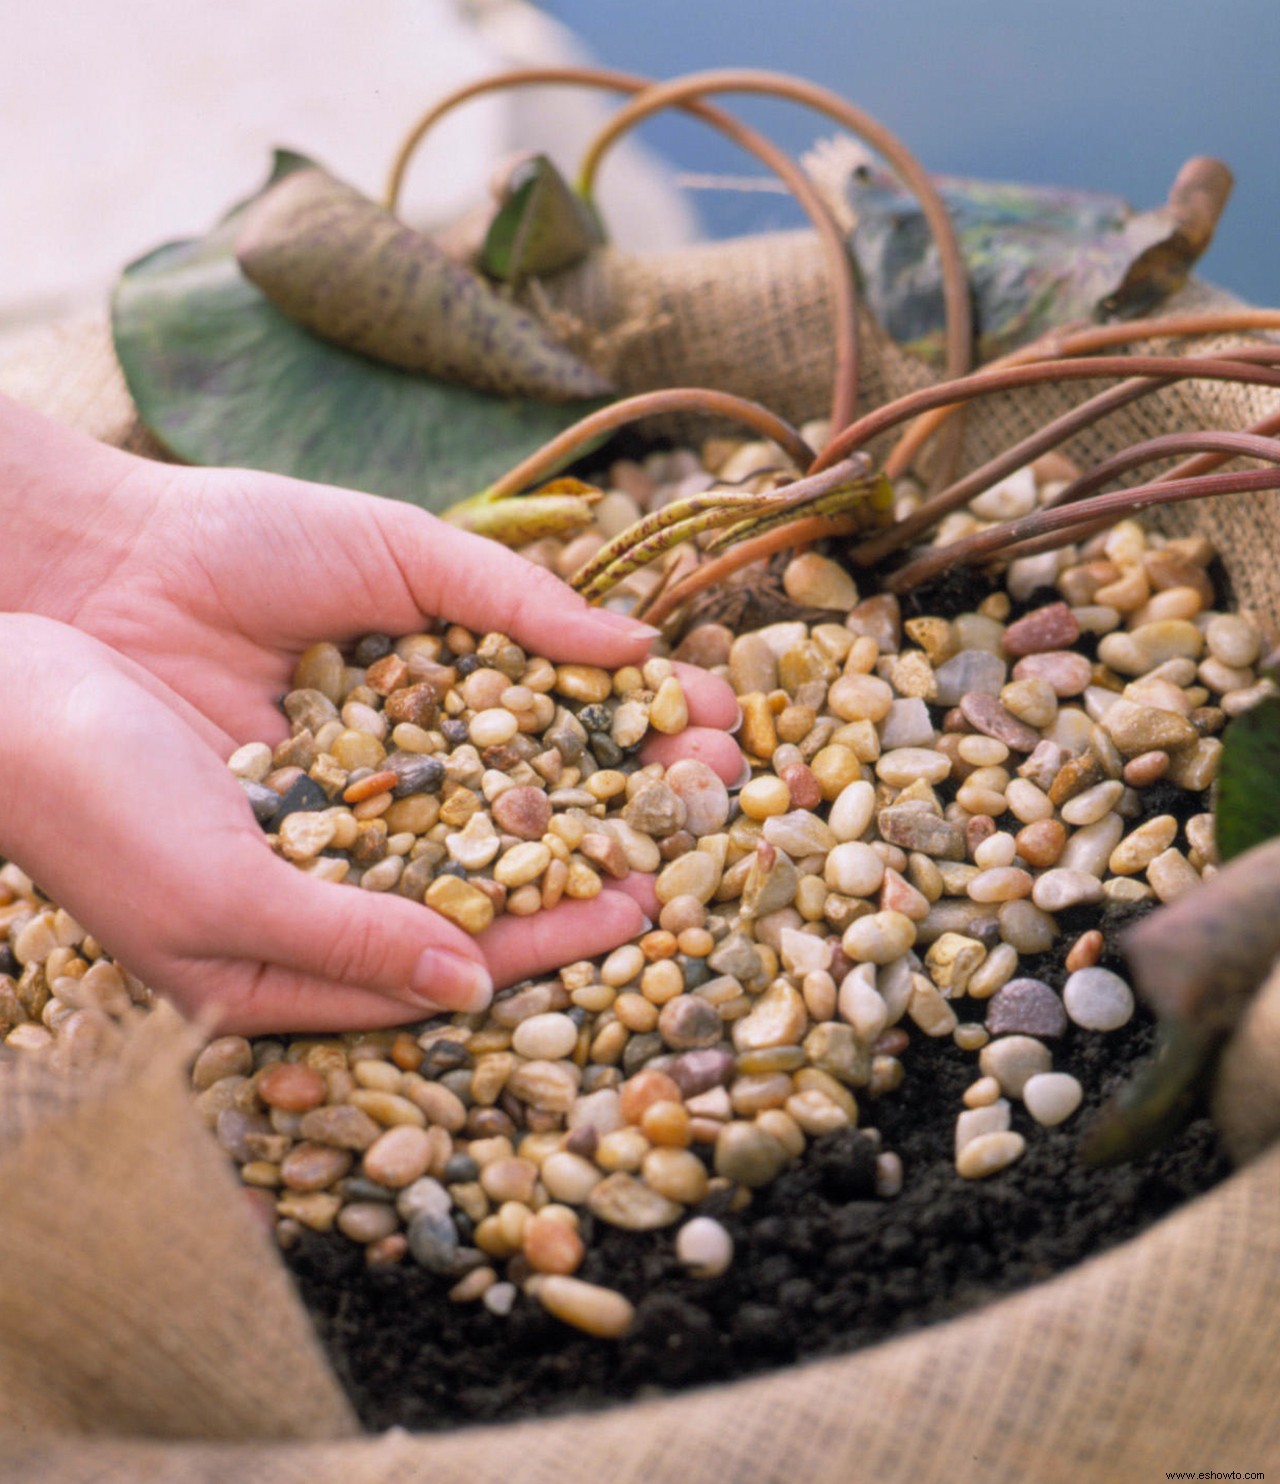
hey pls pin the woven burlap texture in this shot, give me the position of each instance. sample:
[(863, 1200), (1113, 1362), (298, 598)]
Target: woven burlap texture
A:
[(139, 1308)]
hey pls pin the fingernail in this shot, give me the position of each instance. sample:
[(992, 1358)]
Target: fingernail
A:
[(448, 980), (622, 624), (743, 778), (648, 923), (733, 730)]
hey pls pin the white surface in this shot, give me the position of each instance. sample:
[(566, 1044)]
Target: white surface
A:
[(130, 123)]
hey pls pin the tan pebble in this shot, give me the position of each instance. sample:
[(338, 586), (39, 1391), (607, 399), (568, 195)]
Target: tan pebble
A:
[(748, 1155), (988, 1154), (640, 1092), (398, 1157), (1232, 640), (1171, 875), (387, 1108), (226, 1056), (461, 902), (442, 1107), (317, 1210), (551, 1245), (1052, 1097), (879, 938), (670, 711), (1085, 952), (1141, 846), (367, 1221), (695, 874), (304, 834), (906, 764), (597, 1311), (622, 1200), (1001, 884), (1011, 1060), (474, 1286), (583, 682), (815, 1114), (676, 1174), (815, 581), (569, 1177), (1196, 767), (291, 1086), (982, 1093), (929, 1010), (986, 1118)]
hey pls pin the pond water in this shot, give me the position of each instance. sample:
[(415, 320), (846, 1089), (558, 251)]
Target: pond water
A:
[(1085, 93)]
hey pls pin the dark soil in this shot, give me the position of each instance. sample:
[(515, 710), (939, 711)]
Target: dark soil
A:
[(821, 1266)]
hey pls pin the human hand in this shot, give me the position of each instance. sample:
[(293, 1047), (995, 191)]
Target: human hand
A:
[(206, 585)]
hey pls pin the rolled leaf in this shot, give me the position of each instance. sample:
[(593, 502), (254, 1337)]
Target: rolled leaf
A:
[(344, 268)]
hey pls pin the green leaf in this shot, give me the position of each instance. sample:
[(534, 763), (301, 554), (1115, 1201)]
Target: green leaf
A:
[(1248, 799), (222, 377), (541, 225)]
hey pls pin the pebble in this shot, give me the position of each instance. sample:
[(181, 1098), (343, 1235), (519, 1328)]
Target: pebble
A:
[(399, 1156), (815, 581), (988, 1154), (1098, 1000), (1011, 1060), (972, 671), (985, 714), (622, 1200), (748, 1155), (1052, 1097), (601, 1312), (704, 1247), (1026, 1007)]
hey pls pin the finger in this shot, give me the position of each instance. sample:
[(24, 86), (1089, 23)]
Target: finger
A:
[(639, 886), (518, 947), (717, 749), (254, 1000), (711, 701), (473, 581), (364, 940)]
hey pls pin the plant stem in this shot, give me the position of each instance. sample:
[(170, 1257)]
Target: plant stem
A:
[(1063, 521), (651, 404), (1086, 340), (1015, 378), (911, 171)]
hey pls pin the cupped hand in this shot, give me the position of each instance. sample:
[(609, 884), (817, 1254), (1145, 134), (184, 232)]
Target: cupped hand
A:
[(202, 588)]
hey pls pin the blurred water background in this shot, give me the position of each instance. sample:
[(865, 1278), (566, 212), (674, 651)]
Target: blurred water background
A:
[(1109, 95)]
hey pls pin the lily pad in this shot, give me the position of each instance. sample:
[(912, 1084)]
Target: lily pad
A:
[(220, 376)]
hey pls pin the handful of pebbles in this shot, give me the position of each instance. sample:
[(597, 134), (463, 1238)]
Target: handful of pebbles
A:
[(927, 798)]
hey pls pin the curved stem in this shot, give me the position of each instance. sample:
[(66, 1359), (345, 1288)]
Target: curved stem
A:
[(651, 404), (749, 80), (1062, 521), (1015, 378), (1022, 452), (1215, 440), (1071, 340), (839, 267), (658, 523)]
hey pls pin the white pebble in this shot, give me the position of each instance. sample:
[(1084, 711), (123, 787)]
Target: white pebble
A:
[(973, 1123), (852, 811), (704, 1247), (1014, 1060), (545, 1037), (1052, 1097), (1098, 1000)]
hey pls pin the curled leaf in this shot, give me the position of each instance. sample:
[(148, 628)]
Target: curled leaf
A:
[(541, 225), (350, 272), (220, 376), (1037, 257)]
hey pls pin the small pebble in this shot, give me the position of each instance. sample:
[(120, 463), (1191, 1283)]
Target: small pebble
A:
[(1098, 1000)]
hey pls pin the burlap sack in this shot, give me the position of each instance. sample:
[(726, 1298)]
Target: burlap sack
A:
[(148, 1333)]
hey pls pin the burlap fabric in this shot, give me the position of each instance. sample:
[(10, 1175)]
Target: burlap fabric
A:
[(147, 1331)]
